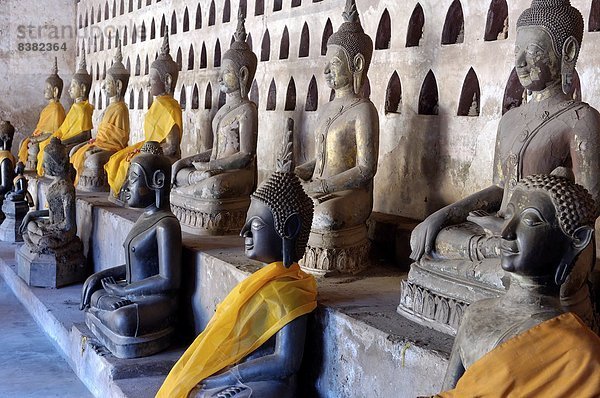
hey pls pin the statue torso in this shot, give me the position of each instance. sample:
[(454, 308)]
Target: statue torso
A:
[(226, 128), (59, 192)]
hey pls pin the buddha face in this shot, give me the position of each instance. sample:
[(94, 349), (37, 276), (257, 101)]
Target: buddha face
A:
[(261, 240), (229, 81), (158, 86), (76, 90), (536, 62), (135, 191), (49, 91), (51, 167), (337, 72), (110, 86)]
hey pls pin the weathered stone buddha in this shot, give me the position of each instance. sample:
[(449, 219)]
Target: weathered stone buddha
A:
[(131, 308), (520, 345), (52, 255), (77, 126), (253, 345), (162, 123), (212, 189), (113, 132), (51, 118), (15, 206), (340, 177), (457, 248)]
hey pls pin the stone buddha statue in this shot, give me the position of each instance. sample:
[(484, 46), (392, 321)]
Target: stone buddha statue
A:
[(113, 132), (212, 189), (549, 222), (131, 308), (162, 123), (457, 248), (7, 160), (51, 118), (253, 345), (340, 177), (77, 126)]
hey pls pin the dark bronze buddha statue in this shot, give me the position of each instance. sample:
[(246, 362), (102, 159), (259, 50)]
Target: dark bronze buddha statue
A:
[(7, 160), (131, 308), (16, 205)]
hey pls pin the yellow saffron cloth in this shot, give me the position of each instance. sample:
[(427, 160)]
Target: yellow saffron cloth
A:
[(7, 155), (255, 310), (78, 120), (51, 117), (164, 113), (557, 358), (113, 134)]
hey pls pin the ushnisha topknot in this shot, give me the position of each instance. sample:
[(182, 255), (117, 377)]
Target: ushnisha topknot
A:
[(282, 192), (82, 76), (54, 80), (164, 63), (557, 17), (118, 71), (152, 147), (240, 52)]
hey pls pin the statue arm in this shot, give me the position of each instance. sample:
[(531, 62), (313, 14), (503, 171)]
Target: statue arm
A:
[(305, 171), (455, 367), (33, 215), (94, 282), (585, 152), (81, 137), (69, 205), (172, 142), (42, 137), (76, 148)]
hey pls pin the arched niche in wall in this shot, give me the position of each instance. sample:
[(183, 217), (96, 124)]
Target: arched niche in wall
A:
[(211, 13), (312, 96), (454, 26), (384, 31), (133, 35), (243, 8), (122, 7), (203, 56), (140, 103), (92, 16), (327, 31), (259, 7), (249, 41), (470, 96), (147, 67), (208, 97), (496, 27), (139, 4), (138, 66), (272, 96), (277, 5), (94, 101), (198, 17), (304, 48), (254, 96), (284, 46), (173, 27), (130, 6), (127, 65), (186, 20), (265, 48), (106, 102), (99, 19), (179, 59), (226, 11), (217, 57), (152, 29), (191, 58), (594, 21), (106, 11), (183, 98), (109, 40), (231, 41), (143, 32), (102, 43), (95, 43), (81, 21), (195, 98), (393, 95), (131, 99), (428, 98), (296, 3), (124, 36), (222, 99), (100, 102), (114, 9), (513, 93), (103, 71), (163, 26), (149, 99), (415, 27), (290, 96)]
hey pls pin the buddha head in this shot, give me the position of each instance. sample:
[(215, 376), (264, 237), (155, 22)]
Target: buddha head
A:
[(81, 82), (56, 159), (148, 179), (7, 133), (117, 76), (164, 71), (549, 222), (349, 52), (19, 168), (280, 214), (239, 64), (54, 84), (549, 35)]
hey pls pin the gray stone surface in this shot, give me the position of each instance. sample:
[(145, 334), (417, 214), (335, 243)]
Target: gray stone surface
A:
[(10, 227)]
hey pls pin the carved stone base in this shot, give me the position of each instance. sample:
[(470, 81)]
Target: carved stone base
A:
[(210, 216), (15, 213), (344, 251), (129, 347), (93, 181), (54, 269)]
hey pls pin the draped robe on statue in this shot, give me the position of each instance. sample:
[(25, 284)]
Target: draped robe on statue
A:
[(51, 118)]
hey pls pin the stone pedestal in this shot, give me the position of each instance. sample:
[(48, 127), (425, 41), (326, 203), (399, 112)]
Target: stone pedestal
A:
[(52, 269), (93, 180), (10, 228), (342, 251)]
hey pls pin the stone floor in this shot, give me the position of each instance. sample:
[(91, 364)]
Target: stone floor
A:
[(30, 366)]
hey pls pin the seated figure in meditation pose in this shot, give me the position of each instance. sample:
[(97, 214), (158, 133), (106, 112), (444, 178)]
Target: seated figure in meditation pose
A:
[(254, 343), (162, 123), (20, 190), (131, 308), (212, 189), (7, 160), (457, 248), (340, 176), (113, 132), (51, 118), (523, 344)]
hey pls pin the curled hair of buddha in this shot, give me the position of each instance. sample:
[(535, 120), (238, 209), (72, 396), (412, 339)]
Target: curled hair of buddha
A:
[(241, 54), (157, 170), (283, 194), (118, 70), (574, 205), (557, 17), (54, 80), (56, 159), (82, 76), (164, 64)]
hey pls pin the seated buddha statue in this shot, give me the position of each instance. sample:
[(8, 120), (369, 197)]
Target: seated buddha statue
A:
[(77, 126), (7, 160), (51, 118), (253, 345), (162, 123), (520, 344), (113, 132), (212, 189), (131, 308), (20, 189), (457, 248), (340, 177)]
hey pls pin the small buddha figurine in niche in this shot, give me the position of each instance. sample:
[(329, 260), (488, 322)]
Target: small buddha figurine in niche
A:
[(549, 222), (253, 345), (113, 132), (163, 122), (457, 248), (212, 189), (131, 308), (340, 177), (77, 126), (7, 160), (51, 118)]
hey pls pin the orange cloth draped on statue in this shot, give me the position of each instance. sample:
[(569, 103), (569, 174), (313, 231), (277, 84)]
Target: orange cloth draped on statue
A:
[(113, 134), (7, 155), (78, 120), (164, 113), (557, 358), (51, 117), (254, 311)]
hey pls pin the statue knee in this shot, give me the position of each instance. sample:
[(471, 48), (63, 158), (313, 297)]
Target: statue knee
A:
[(124, 321)]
